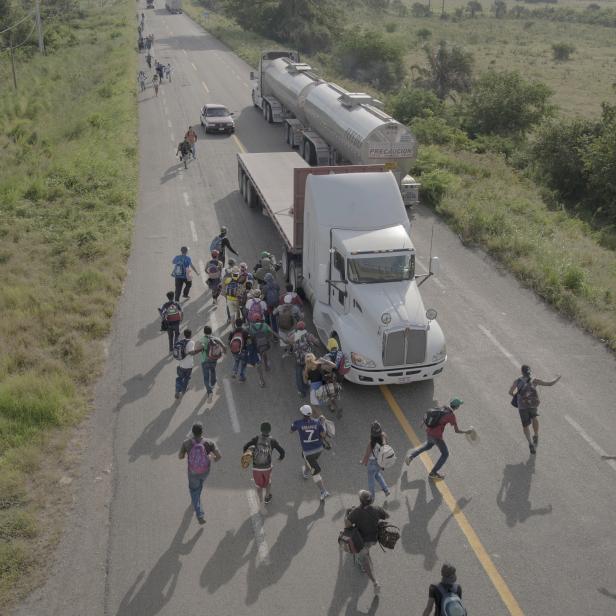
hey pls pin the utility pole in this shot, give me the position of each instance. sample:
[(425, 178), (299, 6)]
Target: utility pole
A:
[(39, 27), (12, 59)]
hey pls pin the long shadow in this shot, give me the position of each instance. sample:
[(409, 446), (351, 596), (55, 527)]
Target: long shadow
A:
[(289, 543), (513, 497), (146, 442), (350, 584), (233, 551), (415, 536), (150, 331), (604, 591), (171, 173), (140, 384), (159, 586)]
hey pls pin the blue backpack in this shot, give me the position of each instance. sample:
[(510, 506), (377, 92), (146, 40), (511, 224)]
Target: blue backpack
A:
[(216, 244), (451, 604)]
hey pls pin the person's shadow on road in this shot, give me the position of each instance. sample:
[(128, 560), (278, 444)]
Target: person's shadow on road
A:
[(513, 497), (145, 445), (160, 584), (604, 591), (414, 535), (140, 384), (171, 173), (289, 543), (150, 331)]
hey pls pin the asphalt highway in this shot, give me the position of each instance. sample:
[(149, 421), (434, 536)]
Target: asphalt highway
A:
[(529, 535)]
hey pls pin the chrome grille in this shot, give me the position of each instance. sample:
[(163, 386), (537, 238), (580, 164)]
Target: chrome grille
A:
[(404, 346)]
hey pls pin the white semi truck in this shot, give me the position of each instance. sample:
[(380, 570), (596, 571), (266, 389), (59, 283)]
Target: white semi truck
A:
[(346, 244), (329, 125)]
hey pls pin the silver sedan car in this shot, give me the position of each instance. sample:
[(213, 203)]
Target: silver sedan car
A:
[(217, 119)]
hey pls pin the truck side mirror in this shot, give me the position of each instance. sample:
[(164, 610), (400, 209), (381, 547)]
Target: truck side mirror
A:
[(435, 266), (252, 75)]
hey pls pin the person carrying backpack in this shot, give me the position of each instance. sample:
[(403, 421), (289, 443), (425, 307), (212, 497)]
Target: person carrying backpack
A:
[(200, 454), (232, 290), (302, 344), (213, 272), (262, 447), (338, 358), (221, 243), (366, 517), (171, 316), (526, 398), (378, 439), (182, 263), (262, 335), (293, 296), (184, 351), (250, 357), (213, 349), (435, 422), (237, 343), (255, 307), (271, 295), (446, 596), (288, 314)]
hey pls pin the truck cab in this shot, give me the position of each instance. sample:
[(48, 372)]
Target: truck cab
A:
[(358, 270)]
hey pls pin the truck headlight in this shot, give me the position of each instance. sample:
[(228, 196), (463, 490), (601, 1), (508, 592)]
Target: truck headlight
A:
[(440, 356), (363, 362)]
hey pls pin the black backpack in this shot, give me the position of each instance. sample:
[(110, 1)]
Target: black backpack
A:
[(262, 452), (433, 417), (179, 349), (388, 535)]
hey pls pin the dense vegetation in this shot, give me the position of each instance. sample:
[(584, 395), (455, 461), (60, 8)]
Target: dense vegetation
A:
[(498, 159), (67, 194)]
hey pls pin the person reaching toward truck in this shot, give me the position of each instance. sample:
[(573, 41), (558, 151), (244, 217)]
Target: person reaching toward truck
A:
[(221, 243)]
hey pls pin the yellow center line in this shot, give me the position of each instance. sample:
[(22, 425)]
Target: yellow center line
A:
[(240, 145), (482, 555)]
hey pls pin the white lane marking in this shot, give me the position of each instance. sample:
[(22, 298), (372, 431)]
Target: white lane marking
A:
[(185, 52), (169, 124), (193, 65), (172, 139), (257, 526), (245, 84), (186, 199), (207, 90), (499, 346), (235, 422), (193, 230), (202, 270), (589, 440)]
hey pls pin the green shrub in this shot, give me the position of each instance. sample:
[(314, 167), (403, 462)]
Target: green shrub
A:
[(434, 186), (436, 130), (561, 52), (411, 102)]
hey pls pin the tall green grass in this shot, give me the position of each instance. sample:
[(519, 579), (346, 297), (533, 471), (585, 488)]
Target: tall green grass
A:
[(68, 160)]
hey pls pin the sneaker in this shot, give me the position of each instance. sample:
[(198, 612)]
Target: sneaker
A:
[(324, 494), (377, 588), (268, 499), (201, 520), (210, 395), (532, 448), (186, 296), (242, 379), (408, 460), (177, 395), (305, 473), (262, 383), (535, 440), (387, 493), (436, 476)]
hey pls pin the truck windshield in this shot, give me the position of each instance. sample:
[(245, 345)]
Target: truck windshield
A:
[(381, 268)]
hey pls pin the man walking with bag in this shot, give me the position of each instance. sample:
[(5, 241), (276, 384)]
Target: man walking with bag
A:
[(366, 517), (262, 447), (213, 349), (446, 596), (182, 264), (200, 453), (435, 422), (171, 317)]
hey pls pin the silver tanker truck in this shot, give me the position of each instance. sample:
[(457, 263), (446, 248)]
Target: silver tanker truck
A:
[(328, 124)]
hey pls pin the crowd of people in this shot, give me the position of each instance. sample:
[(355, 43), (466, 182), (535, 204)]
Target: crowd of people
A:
[(160, 71)]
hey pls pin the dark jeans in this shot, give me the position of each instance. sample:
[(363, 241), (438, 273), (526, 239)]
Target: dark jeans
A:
[(431, 442), (302, 388), (195, 487), (173, 331), (179, 283), (209, 375), (272, 320), (182, 379)]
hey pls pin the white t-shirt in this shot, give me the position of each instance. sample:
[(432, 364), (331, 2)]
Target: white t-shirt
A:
[(189, 360)]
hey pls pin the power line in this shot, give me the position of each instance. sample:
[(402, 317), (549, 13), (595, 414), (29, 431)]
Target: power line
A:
[(20, 44), (17, 23)]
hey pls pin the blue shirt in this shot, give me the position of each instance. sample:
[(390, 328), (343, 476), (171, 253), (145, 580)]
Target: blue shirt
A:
[(184, 260), (309, 431)]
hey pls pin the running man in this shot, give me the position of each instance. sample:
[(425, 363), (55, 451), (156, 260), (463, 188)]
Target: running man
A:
[(262, 446), (366, 518), (435, 421), (311, 434), (200, 453), (182, 263), (447, 591), (171, 317), (184, 351), (213, 349), (526, 398), (191, 137), (155, 83)]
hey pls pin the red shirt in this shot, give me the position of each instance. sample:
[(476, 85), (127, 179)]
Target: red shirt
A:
[(437, 431)]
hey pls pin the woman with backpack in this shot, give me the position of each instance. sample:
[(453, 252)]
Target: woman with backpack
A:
[(378, 438), (237, 342), (271, 295), (212, 350), (313, 375)]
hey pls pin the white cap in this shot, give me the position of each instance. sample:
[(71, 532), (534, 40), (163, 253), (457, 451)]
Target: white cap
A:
[(305, 410), (287, 298)]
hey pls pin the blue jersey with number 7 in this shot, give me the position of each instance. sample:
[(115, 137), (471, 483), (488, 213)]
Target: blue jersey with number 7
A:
[(309, 431)]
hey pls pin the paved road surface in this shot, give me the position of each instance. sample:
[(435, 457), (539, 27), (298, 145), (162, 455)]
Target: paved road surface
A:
[(526, 533)]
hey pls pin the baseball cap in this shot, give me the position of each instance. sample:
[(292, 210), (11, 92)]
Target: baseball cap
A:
[(288, 299), (455, 403), (305, 410), (332, 344)]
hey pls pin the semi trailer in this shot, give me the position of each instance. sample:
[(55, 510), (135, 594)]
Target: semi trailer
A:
[(329, 125), (346, 242)]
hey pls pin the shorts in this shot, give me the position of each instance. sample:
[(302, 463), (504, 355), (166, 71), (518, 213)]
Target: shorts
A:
[(262, 477), (527, 416), (312, 463), (364, 553)]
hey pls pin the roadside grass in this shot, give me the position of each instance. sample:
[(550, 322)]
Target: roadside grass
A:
[(67, 195), (486, 201)]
